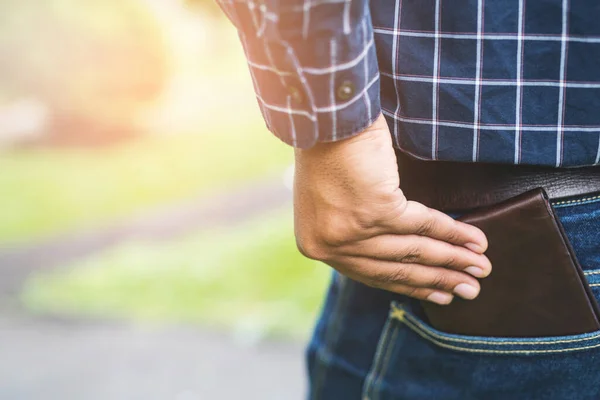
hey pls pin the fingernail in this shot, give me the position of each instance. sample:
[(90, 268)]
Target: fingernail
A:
[(474, 247), (440, 298), (466, 291), (476, 272)]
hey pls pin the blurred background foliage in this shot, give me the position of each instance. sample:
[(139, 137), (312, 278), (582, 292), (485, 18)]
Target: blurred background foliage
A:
[(94, 66), (250, 279), (110, 108)]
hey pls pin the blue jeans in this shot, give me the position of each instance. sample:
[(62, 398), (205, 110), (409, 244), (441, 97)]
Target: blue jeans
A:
[(372, 344)]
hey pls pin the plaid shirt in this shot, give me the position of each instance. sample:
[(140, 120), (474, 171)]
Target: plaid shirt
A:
[(466, 80)]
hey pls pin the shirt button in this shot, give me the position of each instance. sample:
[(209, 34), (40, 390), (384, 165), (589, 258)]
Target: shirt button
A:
[(346, 90), (296, 94)]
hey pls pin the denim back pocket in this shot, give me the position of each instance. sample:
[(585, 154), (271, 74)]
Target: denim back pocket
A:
[(416, 361)]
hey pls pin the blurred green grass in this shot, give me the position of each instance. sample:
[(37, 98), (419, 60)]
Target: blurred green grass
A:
[(51, 190), (250, 278)]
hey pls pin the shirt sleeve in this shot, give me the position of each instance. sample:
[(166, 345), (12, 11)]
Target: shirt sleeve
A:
[(313, 65)]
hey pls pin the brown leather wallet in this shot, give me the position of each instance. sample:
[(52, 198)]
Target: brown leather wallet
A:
[(536, 288)]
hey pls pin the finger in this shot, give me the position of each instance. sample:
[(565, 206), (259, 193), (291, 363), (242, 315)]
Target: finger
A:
[(432, 295), (421, 220), (387, 275), (414, 249)]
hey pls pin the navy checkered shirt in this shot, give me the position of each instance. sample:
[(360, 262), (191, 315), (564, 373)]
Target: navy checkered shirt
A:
[(510, 81)]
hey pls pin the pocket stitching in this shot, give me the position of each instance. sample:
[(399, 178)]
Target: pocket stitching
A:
[(401, 310), (577, 201), (400, 314), (424, 335), (592, 272)]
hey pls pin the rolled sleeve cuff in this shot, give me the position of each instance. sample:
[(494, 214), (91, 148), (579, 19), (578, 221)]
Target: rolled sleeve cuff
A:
[(316, 89)]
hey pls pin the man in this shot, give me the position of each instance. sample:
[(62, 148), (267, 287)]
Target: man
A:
[(508, 87)]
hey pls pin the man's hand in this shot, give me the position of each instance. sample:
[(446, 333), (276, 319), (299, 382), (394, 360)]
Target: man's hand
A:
[(350, 213)]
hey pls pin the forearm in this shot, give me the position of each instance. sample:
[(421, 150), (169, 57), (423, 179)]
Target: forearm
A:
[(313, 65)]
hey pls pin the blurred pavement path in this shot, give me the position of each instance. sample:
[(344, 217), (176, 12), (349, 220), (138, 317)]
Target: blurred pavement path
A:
[(49, 358), (54, 360)]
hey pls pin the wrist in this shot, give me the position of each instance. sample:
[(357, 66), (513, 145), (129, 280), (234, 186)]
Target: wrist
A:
[(377, 133)]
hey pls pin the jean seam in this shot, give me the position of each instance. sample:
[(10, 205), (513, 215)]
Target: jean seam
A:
[(586, 200), (424, 335), (331, 338), (374, 370), (402, 316), (381, 361)]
